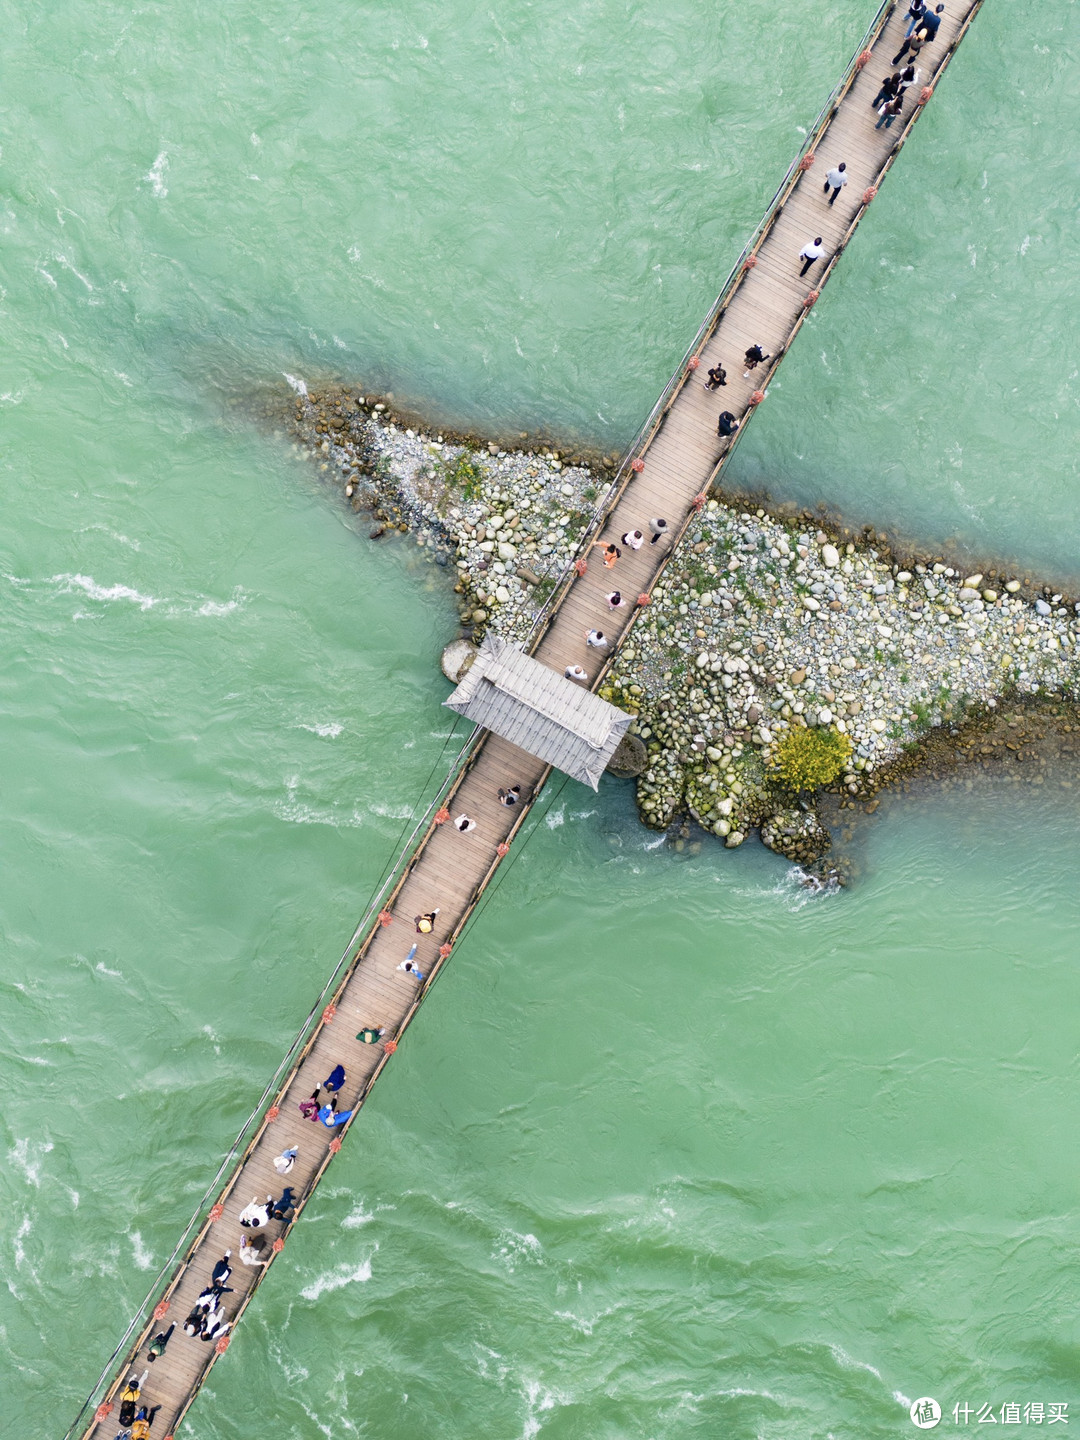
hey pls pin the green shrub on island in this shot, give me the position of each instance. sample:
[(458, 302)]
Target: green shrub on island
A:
[(806, 759)]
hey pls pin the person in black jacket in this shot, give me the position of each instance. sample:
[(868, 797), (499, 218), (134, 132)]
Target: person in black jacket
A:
[(889, 87)]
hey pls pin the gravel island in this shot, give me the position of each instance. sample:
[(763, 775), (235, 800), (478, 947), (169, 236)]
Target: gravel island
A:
[(762, 622)]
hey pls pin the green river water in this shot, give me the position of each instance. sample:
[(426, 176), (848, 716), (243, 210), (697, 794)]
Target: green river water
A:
[(674, 1149)]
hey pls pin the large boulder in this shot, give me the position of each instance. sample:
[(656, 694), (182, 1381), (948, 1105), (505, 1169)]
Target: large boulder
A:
[(630, 758), (457, 658)]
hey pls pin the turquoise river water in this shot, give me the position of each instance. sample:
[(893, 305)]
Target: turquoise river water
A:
[(674, 1149)]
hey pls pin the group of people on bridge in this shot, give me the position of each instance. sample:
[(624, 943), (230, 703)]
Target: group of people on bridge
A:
[(922, 28)]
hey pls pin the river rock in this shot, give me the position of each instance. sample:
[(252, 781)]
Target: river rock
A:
[(830, 556)]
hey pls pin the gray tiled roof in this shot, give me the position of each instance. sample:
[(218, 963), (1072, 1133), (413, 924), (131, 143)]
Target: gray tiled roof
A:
[(553, 718)]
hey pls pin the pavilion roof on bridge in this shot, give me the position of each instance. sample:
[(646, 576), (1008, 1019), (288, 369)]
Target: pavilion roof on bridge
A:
[(539, 710)]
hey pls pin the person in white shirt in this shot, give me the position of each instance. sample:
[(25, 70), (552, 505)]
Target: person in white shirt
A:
[(597, 639), (633, 539), (810, 254), (575, 672), (251, 1250), (257, 1214), (835, 181)]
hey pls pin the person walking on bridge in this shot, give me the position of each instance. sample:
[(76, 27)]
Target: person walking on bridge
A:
[(410, 967), (810, 254), (890, 88), (835, 180), (717, 377), (157, 1345), (329, 1114), (752, 359), (251, 1250), (254, 1216), (915, 12), (282, 1209), (140, 1429), (659, 526), (159, 1342), (727, 425), (888, 112), (924, 35)]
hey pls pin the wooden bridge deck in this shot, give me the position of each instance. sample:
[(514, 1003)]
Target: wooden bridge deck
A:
[(448, 870)]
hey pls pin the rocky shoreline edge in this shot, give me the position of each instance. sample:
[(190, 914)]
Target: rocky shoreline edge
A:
[(767, 620)]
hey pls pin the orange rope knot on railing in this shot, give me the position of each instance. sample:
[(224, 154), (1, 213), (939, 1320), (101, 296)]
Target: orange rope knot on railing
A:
[(925, 93), (444, 950), (868, 194), (757, 397), (864, 60), (807, 160), (216, 1212), (389, 1047), (638, 465), (222, 1344), (644, 599), (441, 817), (329, 1013), (160, 1308), (273, 1112), (814, 295), (170, 1437), (385, 918), (278, 1245), (693, 363), (335, 1144), (698, 502), (502, 849), (102, 1413), (749, 262), (581, 566)]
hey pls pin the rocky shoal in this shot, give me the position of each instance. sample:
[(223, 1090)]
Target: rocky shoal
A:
[(761, 622)]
